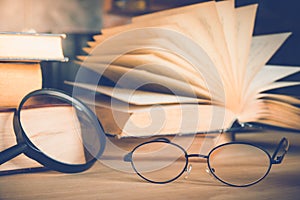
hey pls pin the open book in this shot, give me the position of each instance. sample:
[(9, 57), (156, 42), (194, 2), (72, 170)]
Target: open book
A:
[(187, 70)]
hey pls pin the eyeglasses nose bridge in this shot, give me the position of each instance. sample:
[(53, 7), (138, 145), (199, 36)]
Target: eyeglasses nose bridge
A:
[(209, 171), (188, 171)]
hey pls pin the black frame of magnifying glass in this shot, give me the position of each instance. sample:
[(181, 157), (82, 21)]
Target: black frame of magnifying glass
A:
[(30, 150), (274, 159)]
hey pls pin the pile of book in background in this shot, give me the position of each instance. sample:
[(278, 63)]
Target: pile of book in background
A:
[(21, 55)]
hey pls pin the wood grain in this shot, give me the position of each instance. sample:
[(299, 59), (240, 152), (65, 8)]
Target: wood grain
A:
[(101, 182)]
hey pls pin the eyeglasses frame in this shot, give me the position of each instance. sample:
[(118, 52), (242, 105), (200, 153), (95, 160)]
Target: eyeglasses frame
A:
[(274, 159)]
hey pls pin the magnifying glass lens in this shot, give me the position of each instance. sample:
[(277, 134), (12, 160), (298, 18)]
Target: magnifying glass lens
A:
[(60, 129)]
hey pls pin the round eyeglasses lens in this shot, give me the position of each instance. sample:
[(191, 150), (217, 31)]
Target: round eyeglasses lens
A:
[(61, 129), (239, 164), (159, 162)]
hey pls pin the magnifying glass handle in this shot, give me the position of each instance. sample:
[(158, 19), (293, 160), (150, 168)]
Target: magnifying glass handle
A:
[(12, 152)]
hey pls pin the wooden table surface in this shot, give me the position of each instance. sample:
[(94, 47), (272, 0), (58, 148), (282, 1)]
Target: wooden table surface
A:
[(102, 182)]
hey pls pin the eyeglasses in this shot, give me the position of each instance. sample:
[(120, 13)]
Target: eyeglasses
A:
[(56, 130), (237, 164)]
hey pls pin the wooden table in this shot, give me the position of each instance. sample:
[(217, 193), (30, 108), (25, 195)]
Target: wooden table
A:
[(102, 182)]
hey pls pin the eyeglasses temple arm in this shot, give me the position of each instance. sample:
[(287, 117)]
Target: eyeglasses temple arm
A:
[(277, 159), (12, 152)]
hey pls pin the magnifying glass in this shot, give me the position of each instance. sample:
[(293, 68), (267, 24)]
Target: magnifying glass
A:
[(56, 130)]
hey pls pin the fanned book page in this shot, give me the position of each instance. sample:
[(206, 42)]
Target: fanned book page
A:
[(192, 69)]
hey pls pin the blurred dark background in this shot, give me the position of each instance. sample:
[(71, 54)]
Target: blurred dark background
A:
[(279, 16)]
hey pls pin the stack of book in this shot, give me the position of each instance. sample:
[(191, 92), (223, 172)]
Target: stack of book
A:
[(192, 69), (21, 55)]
